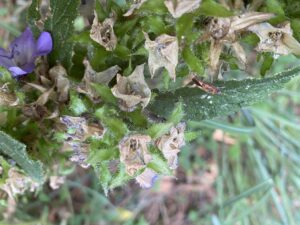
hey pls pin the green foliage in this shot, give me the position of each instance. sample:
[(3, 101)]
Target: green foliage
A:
[(77, 106), (199, 105), (60, 25), (17, 151), (211, 8)]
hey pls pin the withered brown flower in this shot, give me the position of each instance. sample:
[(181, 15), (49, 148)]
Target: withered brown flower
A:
[(7, 98), (170, 144), (179, 7), (147, 178), (132, 90), (278, 40), (103, 33), (134, 152), (163, 53), (223, 31), (91, 76)]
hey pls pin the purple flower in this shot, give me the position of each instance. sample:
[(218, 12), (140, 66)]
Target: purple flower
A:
[(20, 57)]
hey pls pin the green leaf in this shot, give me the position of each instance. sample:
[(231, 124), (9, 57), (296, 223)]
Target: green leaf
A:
[(267, 63), (177, 114), (274, 6), (104, 175), (159, 129), (192, 61), (105, 93), (159, 164), (77, 106), (33, 15), (199, 105), (17, 151), (60, 24), (120, 178), (211, 8)]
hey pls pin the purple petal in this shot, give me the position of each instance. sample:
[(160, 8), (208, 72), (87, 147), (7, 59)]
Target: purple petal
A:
[(5, 59), (44, 44), (147, 178), (23, 48), (17, 71)]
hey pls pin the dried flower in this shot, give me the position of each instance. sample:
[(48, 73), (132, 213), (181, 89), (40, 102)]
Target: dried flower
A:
[(223, 31), (132, 90), (277, 40), (19, 59), (163, 52), (79, 154), (56, 181), (18, 183), (179, 7), (136, 5), (6, 97), (58, 75), (79, 129), (134, 153), (91, 76), (171, 143), (147, 178), (103, 33)]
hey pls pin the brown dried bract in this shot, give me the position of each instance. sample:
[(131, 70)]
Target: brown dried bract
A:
[(103, 33), (171, 143), (277, 40), (6, 97), (134, 152), (79, 154), (132, 90), (79, 129), (223, 31), (179, 7), (163, 53), (91, 76)]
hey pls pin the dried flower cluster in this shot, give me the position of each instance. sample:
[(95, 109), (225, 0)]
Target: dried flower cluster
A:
[(135, 153)]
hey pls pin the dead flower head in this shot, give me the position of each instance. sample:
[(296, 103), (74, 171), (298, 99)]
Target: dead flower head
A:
[(223, 31), (91, 76), (163, 52), (134, 153), (79, 129), (132, 90), (103, 33), (277, 40), (171, 143), (134, 6), (56, 181), (147, 178), (179, 7), (79, 153), (18, 183), (6, 97)]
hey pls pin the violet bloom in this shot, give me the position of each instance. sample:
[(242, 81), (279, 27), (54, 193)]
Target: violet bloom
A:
[(20, 57)]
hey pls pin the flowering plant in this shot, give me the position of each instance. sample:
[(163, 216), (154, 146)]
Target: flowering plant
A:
[(117, 93)]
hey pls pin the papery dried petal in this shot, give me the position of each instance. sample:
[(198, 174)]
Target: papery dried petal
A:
[(239, 52), (103, 33), (56, 181), (216, 48), (7, 98), (59, 76), (79, 154), (171, 143), (132, 90), (179, 7), (136, 5), (18, 183), (147, 178), (276, 40), (79, 129), (163, 52), (134, 152)]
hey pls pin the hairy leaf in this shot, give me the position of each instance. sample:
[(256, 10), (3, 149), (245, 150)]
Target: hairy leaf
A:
[(60, 25), (17, 151), (199, 105)]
